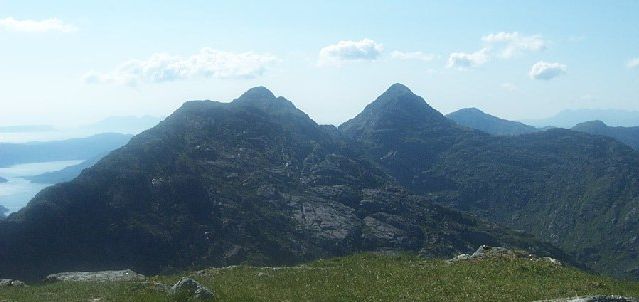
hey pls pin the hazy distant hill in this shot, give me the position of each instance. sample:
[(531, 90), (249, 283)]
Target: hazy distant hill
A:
[(569, 118), (65, 174), (626, 135), (25, 128), (71, 149), (252, 181), (477, 119), (2, 180), (123, 124), (3, 212), (576, 190)]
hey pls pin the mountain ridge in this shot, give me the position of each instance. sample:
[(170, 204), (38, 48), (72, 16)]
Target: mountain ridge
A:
[(626, 135), (538, 182), (251, 181)]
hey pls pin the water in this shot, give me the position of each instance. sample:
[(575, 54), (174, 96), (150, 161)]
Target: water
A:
[(17, 192)]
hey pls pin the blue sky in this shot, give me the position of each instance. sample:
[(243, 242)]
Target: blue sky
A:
[(74, 62)]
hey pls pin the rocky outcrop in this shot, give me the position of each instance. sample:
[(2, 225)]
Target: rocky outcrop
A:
[(11, 283), (102, 276), (497, 252), (595, 299), (188, 288)]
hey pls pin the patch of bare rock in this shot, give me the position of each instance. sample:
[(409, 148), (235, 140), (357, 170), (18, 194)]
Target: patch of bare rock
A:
[(126, 275), (495, 252), (11, 283)]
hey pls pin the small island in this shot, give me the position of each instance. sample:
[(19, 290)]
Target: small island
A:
[(3, 180)]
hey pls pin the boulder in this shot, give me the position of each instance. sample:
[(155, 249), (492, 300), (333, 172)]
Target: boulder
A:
[(102, 276), (191, 289), (11, 283)]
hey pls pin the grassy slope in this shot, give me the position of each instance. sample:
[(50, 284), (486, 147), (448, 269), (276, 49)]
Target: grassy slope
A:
[(364, 277)]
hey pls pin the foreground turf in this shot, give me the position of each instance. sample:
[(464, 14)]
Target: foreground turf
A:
[(364, 277)]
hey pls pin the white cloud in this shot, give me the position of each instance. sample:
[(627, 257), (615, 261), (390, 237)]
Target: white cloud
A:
[(364, 50), (463, 60), (38, 26), (207, 63), (412, 55), (633, 63), (513, 43), (509, 86), (546, 71)]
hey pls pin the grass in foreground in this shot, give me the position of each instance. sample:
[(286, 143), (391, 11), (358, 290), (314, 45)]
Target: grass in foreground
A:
[(363, 277)]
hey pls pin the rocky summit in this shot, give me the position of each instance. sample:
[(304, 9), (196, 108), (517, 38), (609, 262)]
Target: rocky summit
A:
[(251, 181)]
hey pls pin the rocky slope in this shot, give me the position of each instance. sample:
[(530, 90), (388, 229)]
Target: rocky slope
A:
[(476, 119), (252, 181), (578, 191)]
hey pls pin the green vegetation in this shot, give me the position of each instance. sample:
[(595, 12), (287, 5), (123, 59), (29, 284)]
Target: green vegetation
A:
[(362, 277)]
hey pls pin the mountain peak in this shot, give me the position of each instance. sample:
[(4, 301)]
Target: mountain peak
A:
[(399, 99), (261, 97), (399, 108), (595, 123), (398, 88), (259, 92), (471, 110)]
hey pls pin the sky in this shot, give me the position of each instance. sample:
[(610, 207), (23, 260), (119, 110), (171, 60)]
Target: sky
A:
[(76, 62)]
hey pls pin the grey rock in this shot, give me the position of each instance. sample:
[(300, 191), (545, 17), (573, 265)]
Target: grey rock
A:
[(461, 257), (102, 276), (485, 251), (595, 299), (491, 252), (326, 219), (189, 288), (11, 283), (379, 230)]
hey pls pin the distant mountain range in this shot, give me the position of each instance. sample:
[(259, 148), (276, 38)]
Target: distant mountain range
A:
[(70, 149), (626, 135), (477, 119), (569, 118), (123, 124), (65, 174), (116, 124)]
